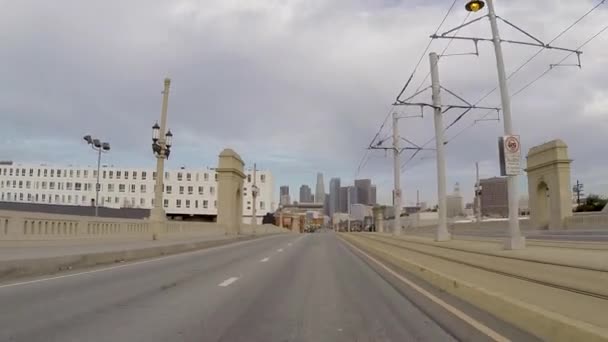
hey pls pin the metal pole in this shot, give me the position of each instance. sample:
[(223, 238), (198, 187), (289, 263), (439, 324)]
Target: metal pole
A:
[(97, 186), (515, 240), (442, 233), (159, 213), (348, 202), (477, 197), (397, 176), (254, 219)]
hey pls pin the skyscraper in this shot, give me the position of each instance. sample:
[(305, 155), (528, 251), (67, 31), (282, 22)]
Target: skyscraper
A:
[(305, 194), (284, 195), (343, 207), (334, 196), (372, 198), (320, 189), (364, 191)]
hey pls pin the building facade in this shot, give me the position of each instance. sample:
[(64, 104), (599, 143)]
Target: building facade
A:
[(364, 191), (320, 189), (305, 194), (494, 197), (186, 191), (284, 198), (334, 196), (343, 199)]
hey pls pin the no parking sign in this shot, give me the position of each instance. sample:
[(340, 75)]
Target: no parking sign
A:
[(509, 148)]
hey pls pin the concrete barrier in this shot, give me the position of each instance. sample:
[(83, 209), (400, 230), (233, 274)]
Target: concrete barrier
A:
[(545, 324), (10, 269)]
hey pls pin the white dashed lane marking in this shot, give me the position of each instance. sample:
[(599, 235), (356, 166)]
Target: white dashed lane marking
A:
[(280, 250), (228, 281), (264, 260)]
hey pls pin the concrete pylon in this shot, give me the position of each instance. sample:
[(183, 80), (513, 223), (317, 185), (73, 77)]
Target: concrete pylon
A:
[(230, 178), (379, 218)]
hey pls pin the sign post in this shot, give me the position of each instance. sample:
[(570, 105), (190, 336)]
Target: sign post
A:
[(509, 148)]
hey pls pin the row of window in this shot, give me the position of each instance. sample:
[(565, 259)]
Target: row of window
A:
[(82, 200), (89, 187), (106, 174)]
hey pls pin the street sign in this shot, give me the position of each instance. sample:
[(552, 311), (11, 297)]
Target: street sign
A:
[(509, 148)]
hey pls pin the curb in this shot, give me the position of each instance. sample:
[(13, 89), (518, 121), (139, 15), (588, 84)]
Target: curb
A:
[(12, 269), (545, 324)]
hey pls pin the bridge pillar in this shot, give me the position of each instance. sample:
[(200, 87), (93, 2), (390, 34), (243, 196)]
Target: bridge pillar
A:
[(549, 192), (379, 218), (230, 178)]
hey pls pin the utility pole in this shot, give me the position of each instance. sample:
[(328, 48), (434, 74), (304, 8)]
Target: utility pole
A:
[(515, 240), (442, 233), (348, 202), (477, 194), (578, 190), (254, 193), (397, 175)]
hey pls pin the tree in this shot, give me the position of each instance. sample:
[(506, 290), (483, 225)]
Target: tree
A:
[(592, 203)]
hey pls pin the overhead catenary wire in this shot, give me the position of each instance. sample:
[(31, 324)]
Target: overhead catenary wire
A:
[(519, 68)]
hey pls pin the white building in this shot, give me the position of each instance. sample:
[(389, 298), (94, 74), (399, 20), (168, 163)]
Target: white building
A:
[(187, 191)]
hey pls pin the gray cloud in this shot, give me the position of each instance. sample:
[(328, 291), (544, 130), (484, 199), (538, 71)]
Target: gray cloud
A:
[(296, 86)]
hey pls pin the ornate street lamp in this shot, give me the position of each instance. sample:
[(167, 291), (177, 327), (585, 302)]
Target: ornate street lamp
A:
[(100, 147), (474, 5)]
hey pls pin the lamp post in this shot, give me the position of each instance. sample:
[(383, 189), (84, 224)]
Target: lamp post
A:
[(515, 240), (254, 192), (161, 146), (100, 147)]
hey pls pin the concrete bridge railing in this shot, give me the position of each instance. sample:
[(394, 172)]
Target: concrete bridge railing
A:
[(17, 226)]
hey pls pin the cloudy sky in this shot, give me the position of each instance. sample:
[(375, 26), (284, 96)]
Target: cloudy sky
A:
[(298, 86)]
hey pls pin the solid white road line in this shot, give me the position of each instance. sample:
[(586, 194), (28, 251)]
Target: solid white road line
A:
[(466, 318), (205, 250), (280, 250), (264, 260), (228, 281)]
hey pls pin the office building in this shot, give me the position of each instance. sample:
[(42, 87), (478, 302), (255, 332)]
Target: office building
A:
[(320, 189), (364, 189), (305, 194), (343, 199), (334, 196), (284, 198), (186, 191), (494, 197), (455, 206), (372, 197)]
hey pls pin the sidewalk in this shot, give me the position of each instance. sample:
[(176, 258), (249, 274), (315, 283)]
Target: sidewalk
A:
[(557, 293)]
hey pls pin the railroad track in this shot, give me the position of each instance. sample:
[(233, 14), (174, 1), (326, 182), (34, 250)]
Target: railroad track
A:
[(487, 269)]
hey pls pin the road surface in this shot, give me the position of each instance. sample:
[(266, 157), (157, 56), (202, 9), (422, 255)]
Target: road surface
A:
[(309, 287)]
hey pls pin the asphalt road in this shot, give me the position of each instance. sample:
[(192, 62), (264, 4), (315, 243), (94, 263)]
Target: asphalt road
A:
[(308, 287)]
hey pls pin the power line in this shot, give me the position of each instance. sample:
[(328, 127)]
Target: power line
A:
[(407, 83)]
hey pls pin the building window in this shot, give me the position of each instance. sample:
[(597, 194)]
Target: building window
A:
[(263, 178), (179, 176), (190, 190), (181, 190), (84, 199), (38, 172), (31, 172), (85, 173), (143, 175), (126, 174), (68, 186), (116, 199), (132, 187), (188, 177), (23, 172), (10, 172), (52, 185), (212, 190), (43, 185), (215, 204), (111, 174), (142, 189), (110, 187), (216, 177), (52, 173), (77, 173), (29, 197), (142, 202), (69, 198), (196, 204), (77, 186), (134, 174), (28, 184), (166, 175), (201, 190), (262, 205), (178, 203), (166, 203), (56, 198), (21, 196), (168, 189), (43, 197), (206, 177), (187, 203), (205, 204), (121, 188), (45, 172), (103, 175), (248, 178), (118, 174), (20, 184)]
